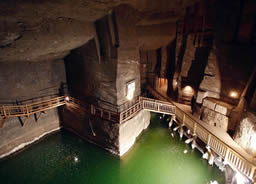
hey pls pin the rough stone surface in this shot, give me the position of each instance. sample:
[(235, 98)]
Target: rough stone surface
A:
[(100, 132), (209, 104), (131, 129), (189, 55), (28, 80), (13, 134), (245, 134), (217, 113), (211, 83), (214, 118), (116, 138), (30, 30), (22, 83)]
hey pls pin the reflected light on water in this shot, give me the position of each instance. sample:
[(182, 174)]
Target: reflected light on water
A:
[(75, 159)]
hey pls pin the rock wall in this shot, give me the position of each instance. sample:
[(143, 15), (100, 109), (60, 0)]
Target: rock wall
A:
[(100, 132), (245, 134), (131, 129), (113, 137), (101, 77), (23, 82), (211, 83), (217, 113)]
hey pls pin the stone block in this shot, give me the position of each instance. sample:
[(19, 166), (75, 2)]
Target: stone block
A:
[(215, 119), (209, 104), (222, 109)]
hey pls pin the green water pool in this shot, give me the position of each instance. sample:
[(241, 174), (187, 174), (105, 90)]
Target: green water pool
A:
[(156, 158)]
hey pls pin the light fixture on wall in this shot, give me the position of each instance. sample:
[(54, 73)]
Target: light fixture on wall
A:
[(175, 83), (130, 90), (233, 94), (188, 91), (67, 98)]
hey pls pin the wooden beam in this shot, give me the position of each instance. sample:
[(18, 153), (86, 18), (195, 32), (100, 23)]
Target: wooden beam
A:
[(3, 121)]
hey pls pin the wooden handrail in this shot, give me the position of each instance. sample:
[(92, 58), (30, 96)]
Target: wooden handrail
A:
[(237, 159), (28, 109)]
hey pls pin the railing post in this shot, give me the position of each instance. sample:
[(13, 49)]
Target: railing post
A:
[(4, 111), (92, 109), (27, 109), (183, 119), (194, 128), (109, 115), (120, 118), (226, 156), (208, 139)]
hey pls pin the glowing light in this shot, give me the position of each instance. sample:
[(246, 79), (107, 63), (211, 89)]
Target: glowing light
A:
[(233, 94), (130, 90), (213, 182), (67, 98), (240, 179), (75, 159), (175, 83), (188, 90)]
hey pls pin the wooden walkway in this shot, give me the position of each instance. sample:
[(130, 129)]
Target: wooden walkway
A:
[(222, 145), (9, 111), (219, 142)]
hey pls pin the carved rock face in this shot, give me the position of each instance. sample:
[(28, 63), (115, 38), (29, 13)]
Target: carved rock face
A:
[(49, 29), (246, 133)]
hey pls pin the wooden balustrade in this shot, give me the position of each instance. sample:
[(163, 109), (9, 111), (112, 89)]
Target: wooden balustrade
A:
[(28, 109), (130, 112), (157, 106), (229, 155)]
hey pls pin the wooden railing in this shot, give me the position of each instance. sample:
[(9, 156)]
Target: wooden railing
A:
[(230, 156), (32, 108), (237, 159), (94, 110), (130, 112), (157, 106), (7, 111)]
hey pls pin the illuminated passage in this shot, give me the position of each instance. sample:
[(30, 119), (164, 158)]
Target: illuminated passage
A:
[(158, 156)]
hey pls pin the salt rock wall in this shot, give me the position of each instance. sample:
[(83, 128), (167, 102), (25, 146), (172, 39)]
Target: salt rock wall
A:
[(98, 73), (131, 129), (245, 133), (216, 113), (100, 132), (211, 83), (21, 82)]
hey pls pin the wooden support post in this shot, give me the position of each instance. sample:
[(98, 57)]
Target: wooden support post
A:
[(109, 115), (4, 111), (27, 118), (27, 110), (92, 109), (3, 121), (39, 116), (101, 113)]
